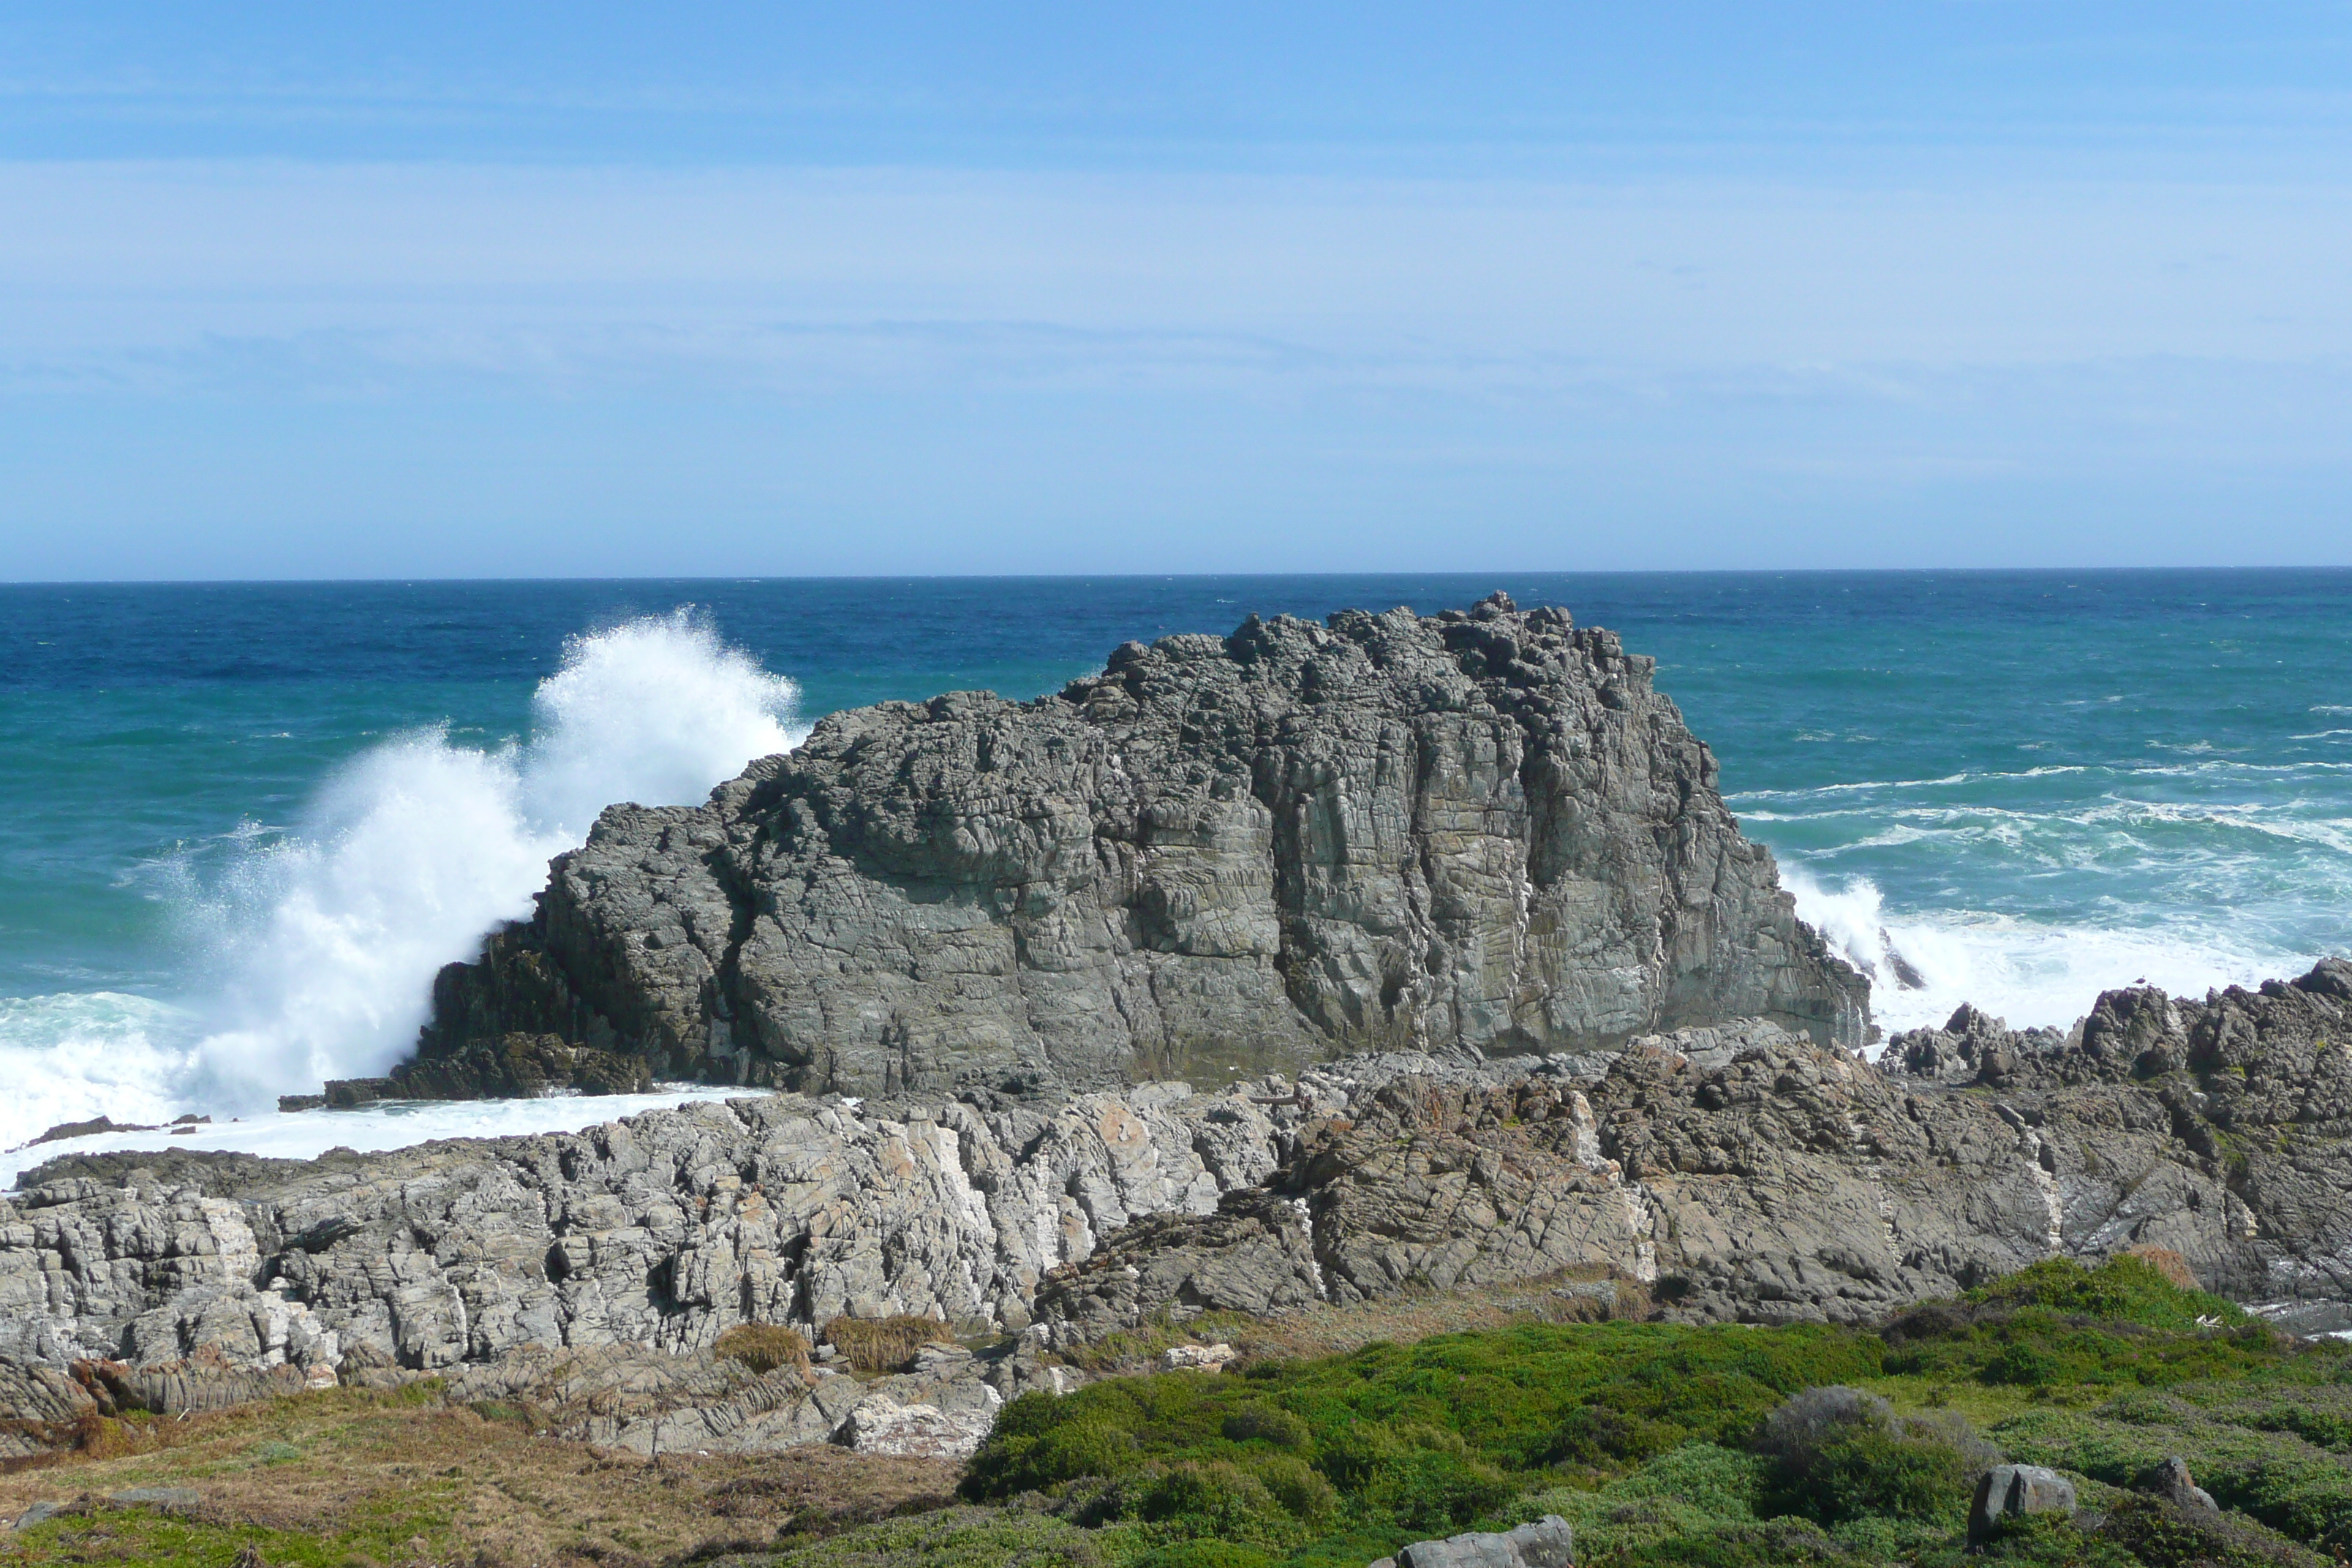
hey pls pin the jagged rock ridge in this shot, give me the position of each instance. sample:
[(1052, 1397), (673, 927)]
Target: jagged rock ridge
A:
[(1737, 1173), (1221, 856)]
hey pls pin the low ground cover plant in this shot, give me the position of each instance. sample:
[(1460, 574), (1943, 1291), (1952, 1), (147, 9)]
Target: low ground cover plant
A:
[(1666, 1445), (1721, 1446)]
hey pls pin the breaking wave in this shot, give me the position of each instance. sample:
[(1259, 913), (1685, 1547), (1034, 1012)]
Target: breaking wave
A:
[(1921, 967), (322, 946)]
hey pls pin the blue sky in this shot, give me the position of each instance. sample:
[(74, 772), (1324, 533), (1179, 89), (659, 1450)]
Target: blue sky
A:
[(529, 290)]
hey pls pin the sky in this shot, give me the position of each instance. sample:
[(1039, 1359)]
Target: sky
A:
[(594, 289)]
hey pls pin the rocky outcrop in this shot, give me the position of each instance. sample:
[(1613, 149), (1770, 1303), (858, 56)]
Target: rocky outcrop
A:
[(1752, 1175), (2216, 1127), (514, 1066), (1736, 1172), (2006, 1492), (1482, 830), (662, 1231), (1547, 1543)]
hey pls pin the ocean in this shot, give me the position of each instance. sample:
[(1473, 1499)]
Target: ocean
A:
[(242, 825)]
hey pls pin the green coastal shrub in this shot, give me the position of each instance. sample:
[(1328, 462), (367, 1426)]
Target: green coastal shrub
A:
[(1709, 1446), (1205, 1554), (1221, 1500), (1841, 1455), (1423, 1479), (1596, 1436), (2123, 1289), (1259, 1422)]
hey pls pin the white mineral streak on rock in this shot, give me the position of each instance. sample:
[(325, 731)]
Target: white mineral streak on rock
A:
[(2038, 1161)]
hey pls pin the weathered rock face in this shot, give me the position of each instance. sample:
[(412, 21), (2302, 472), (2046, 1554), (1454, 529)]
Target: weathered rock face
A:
[(1739, 1173), (1746, 1174), (662, 1231), (1221, 856), (2235, 1108)]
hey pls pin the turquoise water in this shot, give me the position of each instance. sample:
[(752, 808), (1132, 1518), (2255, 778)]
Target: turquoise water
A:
[(240, 824)]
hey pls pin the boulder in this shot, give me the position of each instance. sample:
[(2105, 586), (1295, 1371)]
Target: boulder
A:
[(1545, 1543), (2009, 1492), (880, 1425), (2171, 1481), (41, 1513)]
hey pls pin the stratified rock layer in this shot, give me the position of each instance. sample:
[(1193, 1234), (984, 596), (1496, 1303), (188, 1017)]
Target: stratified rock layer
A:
[(1221, 856), (1740, 1173)]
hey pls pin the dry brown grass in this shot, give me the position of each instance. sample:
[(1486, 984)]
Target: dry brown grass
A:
[(408, 1480), (1572, 1296), (2167, 1262), (403, 1478), (883, 1344), (764, 1347)]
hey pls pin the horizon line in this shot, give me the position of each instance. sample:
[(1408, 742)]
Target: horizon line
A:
[(422, 580)]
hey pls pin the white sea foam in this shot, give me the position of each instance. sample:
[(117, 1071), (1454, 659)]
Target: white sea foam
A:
[(324, 944), (1922, 967), (71, 1057), (305, 1135)]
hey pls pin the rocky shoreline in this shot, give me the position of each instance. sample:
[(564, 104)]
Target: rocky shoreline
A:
[(1475, 981), (1735, 1173)]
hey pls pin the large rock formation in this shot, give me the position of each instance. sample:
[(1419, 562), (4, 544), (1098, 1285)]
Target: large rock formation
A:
[(1222, 854)]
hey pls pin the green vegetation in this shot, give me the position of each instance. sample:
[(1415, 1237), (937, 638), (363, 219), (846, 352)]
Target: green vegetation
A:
[(1664, 1447), (1712, 1446)]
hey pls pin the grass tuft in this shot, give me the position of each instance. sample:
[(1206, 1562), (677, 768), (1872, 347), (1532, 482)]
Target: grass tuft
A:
[(885, 1344), (764, 1347)]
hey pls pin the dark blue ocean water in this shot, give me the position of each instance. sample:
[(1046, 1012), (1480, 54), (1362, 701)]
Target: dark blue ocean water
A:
[(2033, 783)]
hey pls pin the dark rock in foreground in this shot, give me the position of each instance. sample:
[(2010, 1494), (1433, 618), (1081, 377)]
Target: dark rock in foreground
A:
[(513, 1067), (1221, 856)]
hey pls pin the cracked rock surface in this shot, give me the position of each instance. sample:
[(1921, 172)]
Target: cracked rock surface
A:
[(1221, 856), (1752, 1175), (1741, 1172)]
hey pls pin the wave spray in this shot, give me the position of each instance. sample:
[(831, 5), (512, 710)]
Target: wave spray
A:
[(324, 945), (2035, 975)]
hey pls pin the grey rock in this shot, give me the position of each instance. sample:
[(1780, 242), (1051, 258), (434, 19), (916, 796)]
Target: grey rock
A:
[(1789, 1183), (880, 1425), (41, 1407), (171, 1500), (515, 1064), (1736, 1172), (662, 1231), (1545, 1543), (1478, 831), (2009, 1491), (41, 1513), (2172, 1482), (1253, 1255)]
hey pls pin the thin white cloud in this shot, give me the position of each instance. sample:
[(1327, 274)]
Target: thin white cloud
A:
[(162, 258), (245, 368)]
